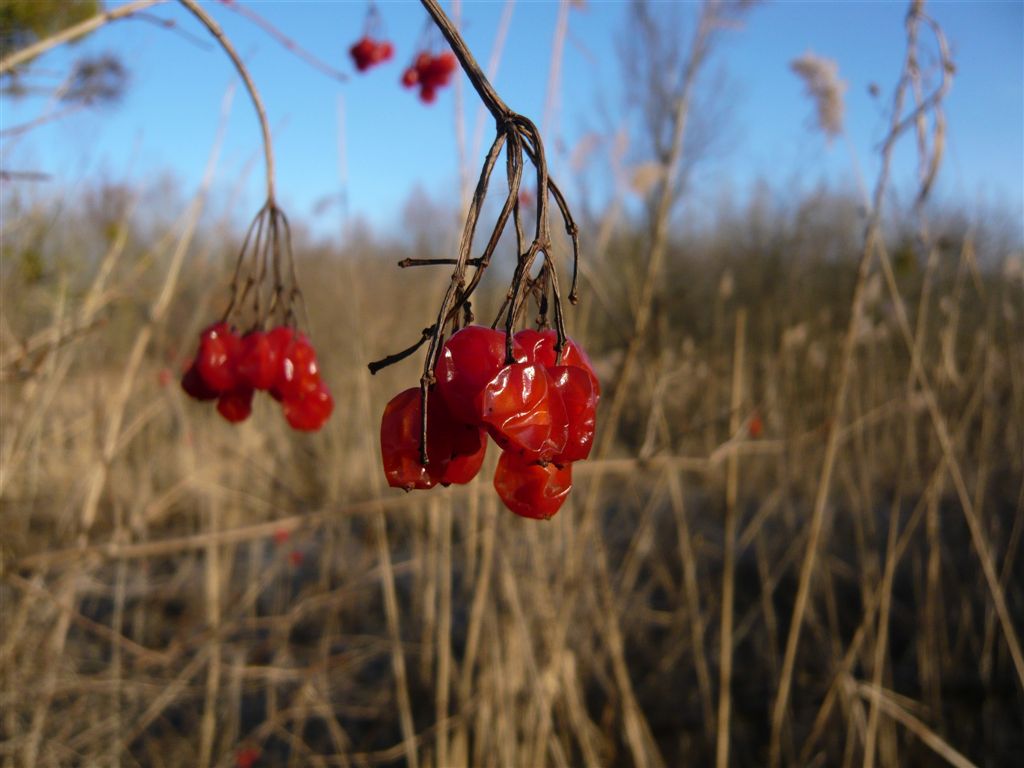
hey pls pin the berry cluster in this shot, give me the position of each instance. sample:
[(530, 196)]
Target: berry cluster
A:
[(367, 52), (540, 412), (229, 369), (430, 72)]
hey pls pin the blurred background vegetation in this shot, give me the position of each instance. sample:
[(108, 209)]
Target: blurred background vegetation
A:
[(180, 591)]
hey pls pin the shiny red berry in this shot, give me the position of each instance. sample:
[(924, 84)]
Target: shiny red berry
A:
[(577, 393), (218, 356), (530, 489), (400, 431), (298, 373), (468, 361), (468, 446), (539, 347), (524, 413)]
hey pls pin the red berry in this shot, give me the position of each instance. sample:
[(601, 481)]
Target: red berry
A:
[(539, 347), (217, 357), (385, 51), (468, 446), (298, 373), (580, 399), (246, 757), (362, 53), (446, 62), (236, 405), (531, 489), (194, 385), (400, 431), (468, 361), (524, 412), (422, 61), (428, 94), (310, 411), (410, 77), (258, 361)]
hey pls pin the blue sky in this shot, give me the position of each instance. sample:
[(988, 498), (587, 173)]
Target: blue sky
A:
[(393, 143)]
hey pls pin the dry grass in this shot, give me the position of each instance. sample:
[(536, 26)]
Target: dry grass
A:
[(799, 539), (174, 625)]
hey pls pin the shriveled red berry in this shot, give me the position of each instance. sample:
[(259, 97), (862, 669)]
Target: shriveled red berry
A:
[(194, 385), (577, 393), (539, 347), (218, 356), (309, 411), (468, 361), (236, 405), (467, 446), (299, 373), (258, 361), (464, 466), (530, 489), (524, 412), (400, 431)]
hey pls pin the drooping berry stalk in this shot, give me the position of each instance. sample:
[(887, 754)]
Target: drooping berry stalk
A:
[(518, 137)]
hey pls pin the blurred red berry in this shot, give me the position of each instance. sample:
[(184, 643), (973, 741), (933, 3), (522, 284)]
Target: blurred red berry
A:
[(236, 405), (218, 356), (258, 361), (410, 77), (299, 373), (281, 535), (309, 411), (194, 385), (246, 757)]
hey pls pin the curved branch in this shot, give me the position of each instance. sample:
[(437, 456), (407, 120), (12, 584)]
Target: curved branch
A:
[(257, 102)]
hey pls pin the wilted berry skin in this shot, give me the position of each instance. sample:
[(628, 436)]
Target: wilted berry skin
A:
[(468, 361), (524, 413), (529, 489), (577, 393), (400, 443), (539, 347)]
